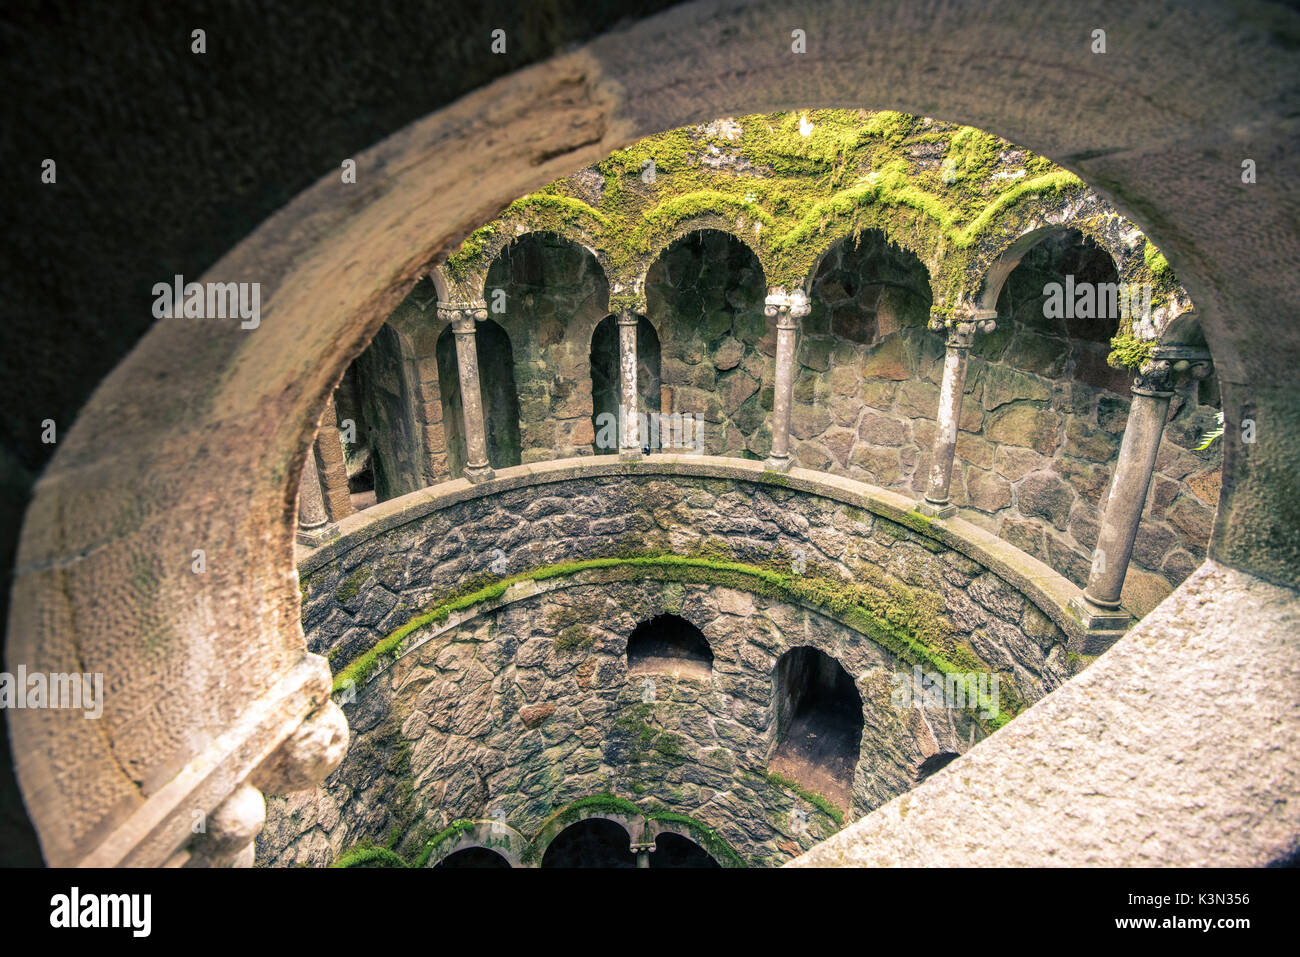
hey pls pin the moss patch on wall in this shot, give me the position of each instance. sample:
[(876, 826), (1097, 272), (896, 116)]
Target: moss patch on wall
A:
[(789, 185), (906, 621)]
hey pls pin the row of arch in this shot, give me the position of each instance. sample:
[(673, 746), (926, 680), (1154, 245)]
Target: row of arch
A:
[(1012, 229), (597, 838), (903, 281)]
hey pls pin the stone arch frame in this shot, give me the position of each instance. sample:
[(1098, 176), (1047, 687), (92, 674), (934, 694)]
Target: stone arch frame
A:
[(713, 222), (319, 314), (633, 825), (1023, 224), (927, 257), (847, 229), (574, 237), (490, 835), (656, 826)]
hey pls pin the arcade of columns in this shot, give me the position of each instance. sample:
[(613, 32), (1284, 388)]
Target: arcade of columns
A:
[(1098, 608)]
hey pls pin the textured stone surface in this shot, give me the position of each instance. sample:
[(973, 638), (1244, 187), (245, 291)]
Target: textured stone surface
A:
[(1176, 748), (498, 721), (128, 484)]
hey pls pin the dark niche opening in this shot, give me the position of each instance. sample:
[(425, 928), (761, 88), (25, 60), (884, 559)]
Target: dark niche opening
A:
[(668, 644), (594, 842), (818, 723), (473, 857)]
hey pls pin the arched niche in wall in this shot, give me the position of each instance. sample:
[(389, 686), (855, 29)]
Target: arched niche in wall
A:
[(860, 387), (705, 294), (818, 723), (549, 292), (673, 850), (606, 382), (474, 857), (593, 842), (669, 644), (383, 463), (497, 388)]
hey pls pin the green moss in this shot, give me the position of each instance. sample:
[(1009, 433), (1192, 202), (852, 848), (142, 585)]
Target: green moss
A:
[(1130, 352), (348, 589), (812, 797), (366, 856), (905, 621), (573, 639), (788, 184)]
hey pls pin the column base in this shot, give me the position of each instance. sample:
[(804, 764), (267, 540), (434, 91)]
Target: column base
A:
[(315, 537), (477, 475), (781, 464), (629, 455), (931, 510), (1097, 618)]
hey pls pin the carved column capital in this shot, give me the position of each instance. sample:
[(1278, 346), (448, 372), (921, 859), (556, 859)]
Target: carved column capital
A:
[(788, 308), (462, 313), (963, 325)]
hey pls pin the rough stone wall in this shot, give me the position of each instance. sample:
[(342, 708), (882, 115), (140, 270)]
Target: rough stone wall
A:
[(704, 296), (1042, 418), (555, 293), (372, 589), (524, 709)]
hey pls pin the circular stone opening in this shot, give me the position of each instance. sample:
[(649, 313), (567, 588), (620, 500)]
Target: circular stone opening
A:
[(668, 644)]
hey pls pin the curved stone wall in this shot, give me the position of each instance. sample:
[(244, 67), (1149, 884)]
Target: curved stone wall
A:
[(509, 706)]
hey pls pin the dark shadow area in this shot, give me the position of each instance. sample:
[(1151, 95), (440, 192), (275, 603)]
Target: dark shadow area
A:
[(935, 762), (473, 857), (594, 842), (673, 850), (818, 723), (496, 389), (667, 643)]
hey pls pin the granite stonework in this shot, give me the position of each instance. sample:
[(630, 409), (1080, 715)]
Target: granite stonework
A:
[(1041, 421), (530, 706), (524, 703)]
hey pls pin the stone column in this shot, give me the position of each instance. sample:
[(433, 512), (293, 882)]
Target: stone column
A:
[(314, 526), (334, 473), (1099, 608), (462, 317), (629, 446), (961, 336), (788, 309)]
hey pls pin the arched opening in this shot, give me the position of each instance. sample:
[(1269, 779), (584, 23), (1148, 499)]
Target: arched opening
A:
[(606, 384), (497, 387), (673, 850), (935, 762), (382, 462), (818, 716), (669, 644), (860, 387), (1055, 412), (705, 295), (473, 857), (549, 292), (595, 842)]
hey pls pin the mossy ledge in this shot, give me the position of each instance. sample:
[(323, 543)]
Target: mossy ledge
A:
[(904, 621)]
